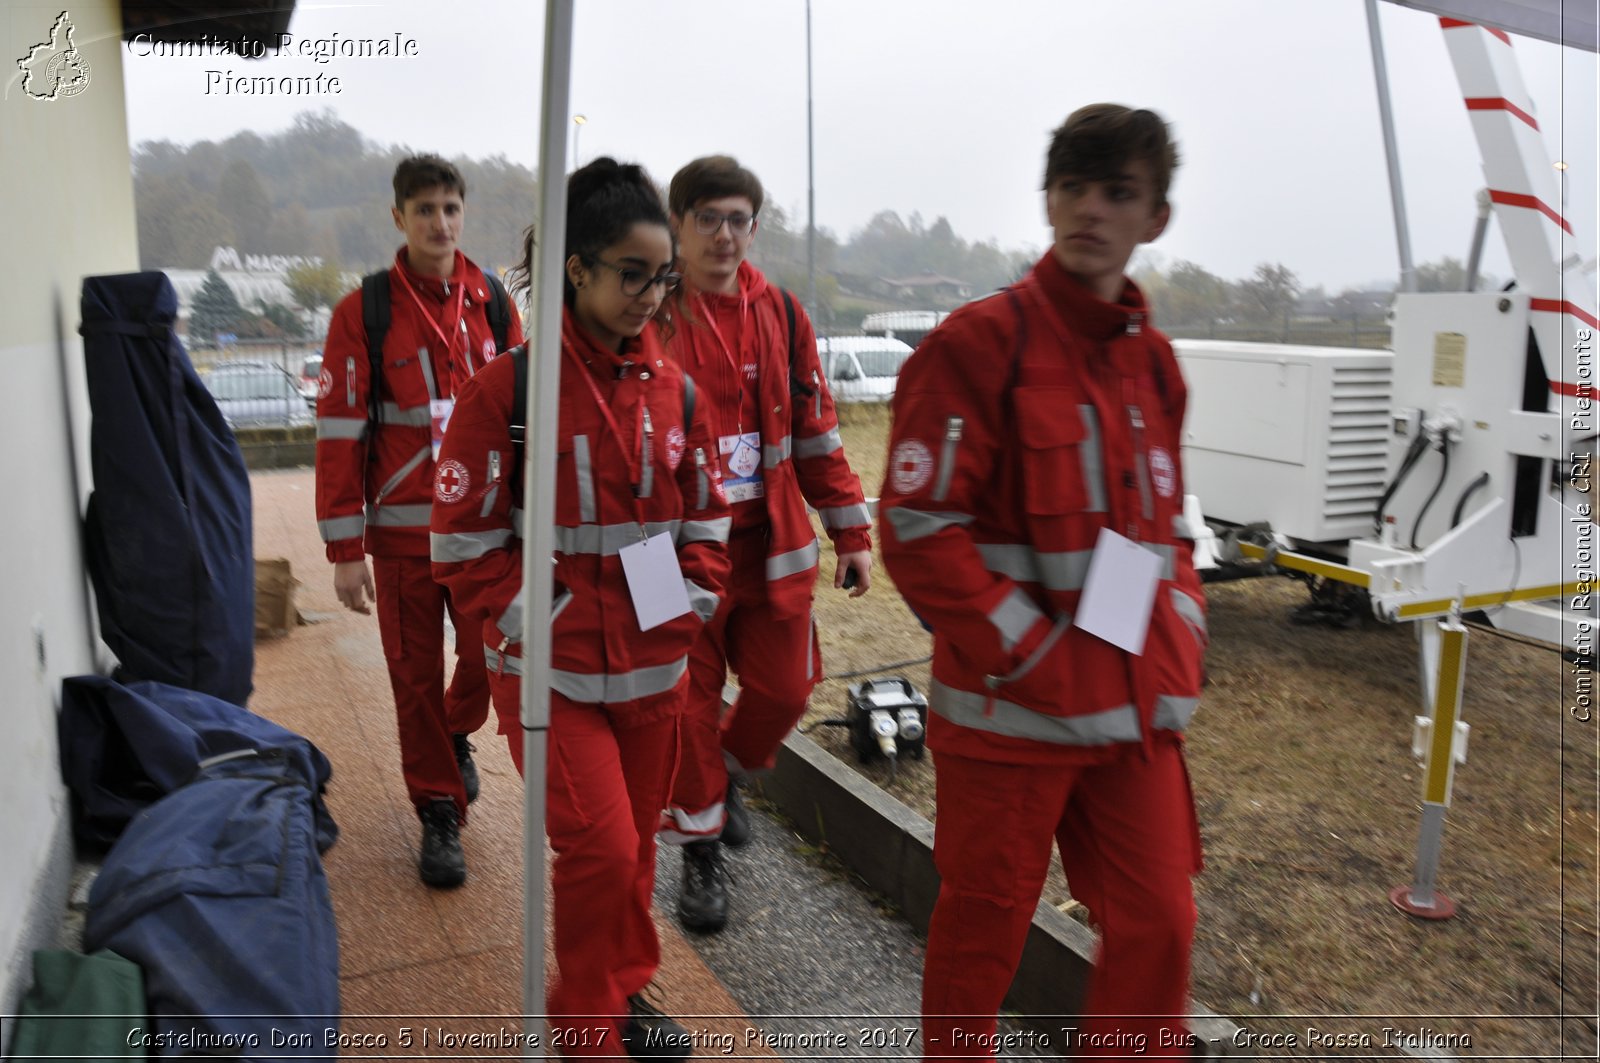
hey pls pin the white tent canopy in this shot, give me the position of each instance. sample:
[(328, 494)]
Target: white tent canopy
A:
[(1567, 22)]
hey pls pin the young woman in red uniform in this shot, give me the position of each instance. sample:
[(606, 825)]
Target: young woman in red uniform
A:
[(636, 473)]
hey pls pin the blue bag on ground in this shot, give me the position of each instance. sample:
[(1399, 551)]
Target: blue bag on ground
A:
[(125, 746), (218, 893), (167, 533)]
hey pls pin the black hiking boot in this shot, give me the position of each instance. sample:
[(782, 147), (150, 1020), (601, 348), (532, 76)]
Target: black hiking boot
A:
[(469, 767), (703, 895), (443, 864), (648, 1034)]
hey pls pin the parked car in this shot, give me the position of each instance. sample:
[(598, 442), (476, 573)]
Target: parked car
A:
[(257, 393), (311, 376), (862, 368)]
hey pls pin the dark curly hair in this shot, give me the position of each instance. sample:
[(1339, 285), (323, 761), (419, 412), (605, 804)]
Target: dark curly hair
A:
[(605, 199)]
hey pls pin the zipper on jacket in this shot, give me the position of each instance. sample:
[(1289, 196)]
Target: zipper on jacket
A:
[(947, 457), (816, 385), (705, 481), (350, 382), (1141, 464)]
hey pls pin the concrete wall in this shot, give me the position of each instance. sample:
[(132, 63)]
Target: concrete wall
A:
[(68, 196)]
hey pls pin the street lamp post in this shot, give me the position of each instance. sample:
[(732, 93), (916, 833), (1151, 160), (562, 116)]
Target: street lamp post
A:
[(579, 121)]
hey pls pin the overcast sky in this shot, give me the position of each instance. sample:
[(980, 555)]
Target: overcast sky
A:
[(944, 107)]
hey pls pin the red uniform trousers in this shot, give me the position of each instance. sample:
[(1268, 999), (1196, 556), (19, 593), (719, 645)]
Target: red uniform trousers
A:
[(778, 663), (411, 611), (604, 790), (1129, 844)]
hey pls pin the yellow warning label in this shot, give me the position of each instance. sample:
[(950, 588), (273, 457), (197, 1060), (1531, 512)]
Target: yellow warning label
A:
[(1449, 360)]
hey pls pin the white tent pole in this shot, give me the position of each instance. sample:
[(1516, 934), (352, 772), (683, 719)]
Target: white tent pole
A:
[(538, 495)]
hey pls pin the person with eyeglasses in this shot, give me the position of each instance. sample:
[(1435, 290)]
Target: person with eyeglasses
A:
[(751, 348), (640, 565)]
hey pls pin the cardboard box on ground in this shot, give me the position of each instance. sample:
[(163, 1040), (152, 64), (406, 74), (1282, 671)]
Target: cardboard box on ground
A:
[(275, 611)]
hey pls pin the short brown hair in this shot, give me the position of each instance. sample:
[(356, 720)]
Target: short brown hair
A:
[(418, 173), (712, 177), (1097, 141)]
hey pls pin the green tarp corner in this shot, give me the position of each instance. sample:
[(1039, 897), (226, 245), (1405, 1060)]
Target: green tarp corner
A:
[(81, 1007)]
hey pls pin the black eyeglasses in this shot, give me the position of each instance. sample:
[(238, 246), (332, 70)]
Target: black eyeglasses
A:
[(707, 222), (635, 281)]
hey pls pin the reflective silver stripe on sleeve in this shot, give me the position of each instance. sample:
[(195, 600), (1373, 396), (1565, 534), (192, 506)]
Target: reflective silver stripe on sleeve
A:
[(1094, 477), (793, 562), (702, 601), (818, 446), (974, 711), (466, 546), (775, 454), (835, 518), (341, 428), (406, 470), (427, 372), (1062, 570), (510, 621), (414, 417), (610, 689), (400, 516), (1174, 713), (913, 524), (342, 528), (489, 498), (608, 539), (1013, 617), (811, 645), (580, 456), (705, 531), (1189, 609)]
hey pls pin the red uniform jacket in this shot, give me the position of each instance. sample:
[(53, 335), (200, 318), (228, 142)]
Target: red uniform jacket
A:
[(802, 455), (1022, 426), (599, 654), (375, 486)]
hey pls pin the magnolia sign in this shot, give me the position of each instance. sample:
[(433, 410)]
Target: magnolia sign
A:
[(228, 258)]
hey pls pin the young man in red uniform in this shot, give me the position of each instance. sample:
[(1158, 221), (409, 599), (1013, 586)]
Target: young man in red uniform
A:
[(375, 471), (751, 349), (1034, 454)]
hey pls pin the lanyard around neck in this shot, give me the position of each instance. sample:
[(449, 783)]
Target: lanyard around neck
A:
[(446, 336), (635, 463)]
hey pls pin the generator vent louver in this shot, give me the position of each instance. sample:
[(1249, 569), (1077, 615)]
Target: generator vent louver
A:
[(1358, 442)]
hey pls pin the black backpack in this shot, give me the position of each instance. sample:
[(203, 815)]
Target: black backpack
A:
[(375, 314)]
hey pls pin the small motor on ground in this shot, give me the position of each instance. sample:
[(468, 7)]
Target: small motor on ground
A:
[(887, 718)]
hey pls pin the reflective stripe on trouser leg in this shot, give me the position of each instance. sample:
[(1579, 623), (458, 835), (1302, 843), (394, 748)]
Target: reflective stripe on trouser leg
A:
[(605, 789), (1129, 847), (992, 847), (411, 625), (695, 811)]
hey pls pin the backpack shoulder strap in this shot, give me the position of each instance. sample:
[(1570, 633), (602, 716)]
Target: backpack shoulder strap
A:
[(797, 387), (498, 310), (519, 400), (689, 397), (375, 314)]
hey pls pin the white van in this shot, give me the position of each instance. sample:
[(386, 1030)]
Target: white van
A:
[(862, 368)]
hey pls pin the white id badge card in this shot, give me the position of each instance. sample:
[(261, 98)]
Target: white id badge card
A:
[(1119, 591), (746, 456), (439, 411), (655, 582)]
